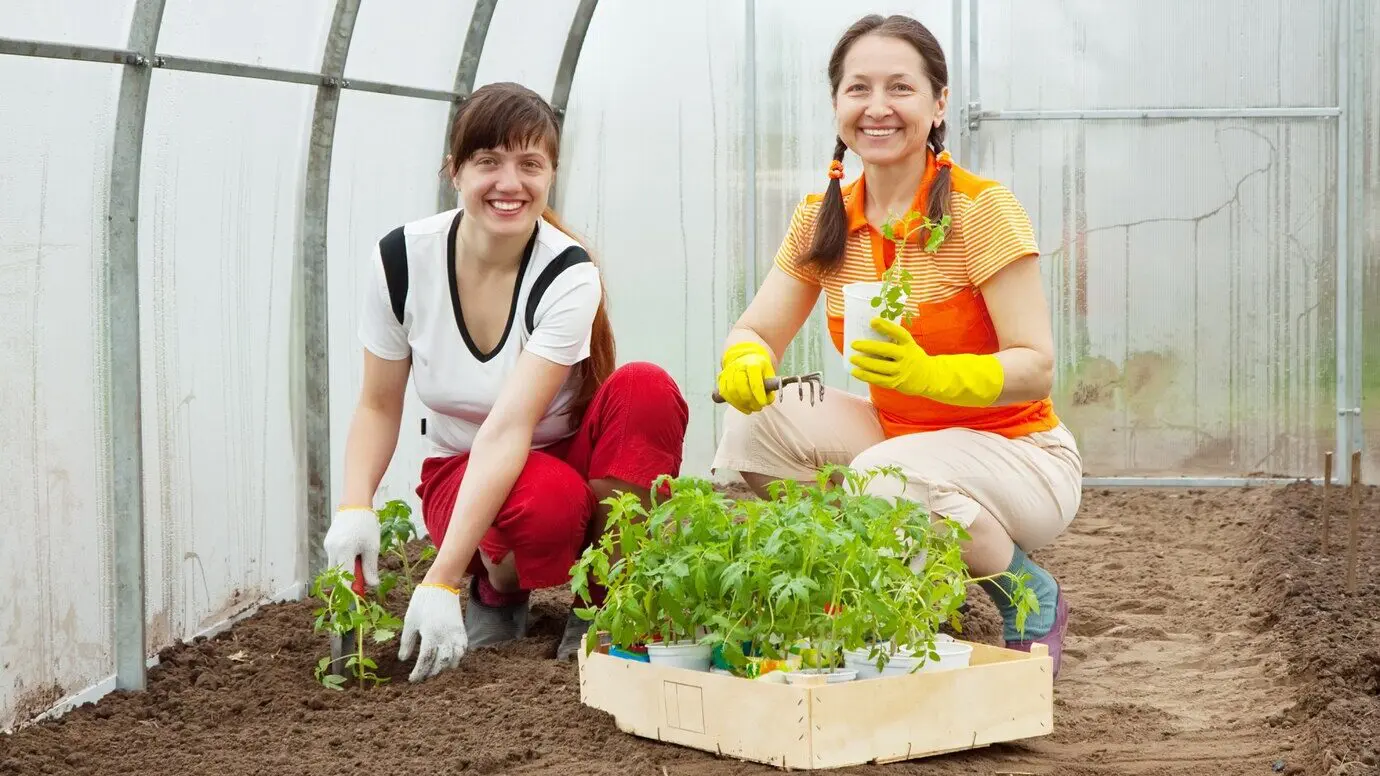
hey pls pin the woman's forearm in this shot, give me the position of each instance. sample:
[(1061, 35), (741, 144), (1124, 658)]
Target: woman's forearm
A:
[(369, 448), (1027, 375), (495, 462)]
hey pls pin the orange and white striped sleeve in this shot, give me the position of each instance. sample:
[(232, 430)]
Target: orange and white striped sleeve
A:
[(796, 244), (996, 232)]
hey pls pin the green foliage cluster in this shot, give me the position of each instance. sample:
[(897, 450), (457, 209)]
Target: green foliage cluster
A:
[(814, 570)]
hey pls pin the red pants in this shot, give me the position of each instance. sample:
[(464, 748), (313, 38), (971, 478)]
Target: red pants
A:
[(633, 430)]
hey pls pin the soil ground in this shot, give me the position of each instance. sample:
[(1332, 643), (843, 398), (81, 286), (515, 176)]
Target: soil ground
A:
[(1209, 635)]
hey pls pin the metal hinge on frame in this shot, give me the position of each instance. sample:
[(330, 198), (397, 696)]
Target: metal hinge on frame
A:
[(972, 116)]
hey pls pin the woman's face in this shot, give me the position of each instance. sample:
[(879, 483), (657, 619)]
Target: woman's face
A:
[(505, 189), (884, 105)]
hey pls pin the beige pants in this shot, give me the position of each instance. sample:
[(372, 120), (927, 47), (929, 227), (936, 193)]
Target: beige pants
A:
[(1032, 485)]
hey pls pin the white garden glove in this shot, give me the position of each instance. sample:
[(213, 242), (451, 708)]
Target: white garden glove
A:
[(355, 531), (434, 616)]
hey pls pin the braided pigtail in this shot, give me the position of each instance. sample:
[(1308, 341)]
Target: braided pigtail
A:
[(831, 225)]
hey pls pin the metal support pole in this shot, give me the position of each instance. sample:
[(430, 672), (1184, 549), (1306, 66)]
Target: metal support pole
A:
[(958, 83), (470, 55), (974, 107), (1343, 226), (316, 380), (750, 160), (123, 416), (1122, 114), (570, 58), (1356, 264), (49, 50)]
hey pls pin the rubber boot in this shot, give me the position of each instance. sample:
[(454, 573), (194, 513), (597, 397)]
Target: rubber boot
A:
[(485, 625)]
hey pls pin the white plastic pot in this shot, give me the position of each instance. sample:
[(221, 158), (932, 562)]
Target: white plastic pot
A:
[(817, 676), (683, 654), (952, 654), (858, 661), (858, 313)]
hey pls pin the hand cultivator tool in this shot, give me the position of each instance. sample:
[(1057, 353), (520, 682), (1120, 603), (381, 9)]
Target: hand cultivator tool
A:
[(775, 384), (343, 644)]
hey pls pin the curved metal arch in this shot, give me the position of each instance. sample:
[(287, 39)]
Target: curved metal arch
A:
[(465, 72), (570, 58), (316, 383), (469, 66), (120, 343)]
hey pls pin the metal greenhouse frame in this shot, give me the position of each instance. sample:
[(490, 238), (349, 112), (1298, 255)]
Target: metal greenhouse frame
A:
[(122, 335)]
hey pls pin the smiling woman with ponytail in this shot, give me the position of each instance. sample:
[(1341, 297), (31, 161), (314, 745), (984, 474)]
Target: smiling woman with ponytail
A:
[(496, 312), (958, 399)]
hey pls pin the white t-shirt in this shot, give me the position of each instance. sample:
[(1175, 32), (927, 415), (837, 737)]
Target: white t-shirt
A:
[(555, 297)]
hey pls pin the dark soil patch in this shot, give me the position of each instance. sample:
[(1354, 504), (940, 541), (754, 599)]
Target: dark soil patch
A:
[(1209, 635)]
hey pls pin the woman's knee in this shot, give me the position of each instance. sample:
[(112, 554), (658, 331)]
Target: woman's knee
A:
[(643, 387)]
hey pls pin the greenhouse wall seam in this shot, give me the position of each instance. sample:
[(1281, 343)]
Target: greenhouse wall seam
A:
[(123, 413), (316, 382), (465, 73)]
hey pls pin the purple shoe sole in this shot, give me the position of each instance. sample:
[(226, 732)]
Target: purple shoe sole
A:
[(1055, 638)]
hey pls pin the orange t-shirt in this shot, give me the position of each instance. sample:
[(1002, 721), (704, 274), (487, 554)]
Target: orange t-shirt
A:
[(988, 230)]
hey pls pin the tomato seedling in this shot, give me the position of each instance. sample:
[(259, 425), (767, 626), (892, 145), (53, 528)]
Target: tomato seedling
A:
[(396, 529), (812, 571), (344, 611), (896, 280)]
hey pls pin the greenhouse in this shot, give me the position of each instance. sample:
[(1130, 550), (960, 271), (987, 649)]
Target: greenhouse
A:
[(944, 386)]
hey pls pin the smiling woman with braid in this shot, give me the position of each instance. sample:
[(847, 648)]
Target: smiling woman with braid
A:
[(959, 398)]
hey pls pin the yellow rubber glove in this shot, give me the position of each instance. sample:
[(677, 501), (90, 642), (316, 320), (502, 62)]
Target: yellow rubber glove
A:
[(745, 366), (963, 380)]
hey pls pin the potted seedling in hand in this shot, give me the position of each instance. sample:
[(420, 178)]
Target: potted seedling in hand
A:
[(889, 297)]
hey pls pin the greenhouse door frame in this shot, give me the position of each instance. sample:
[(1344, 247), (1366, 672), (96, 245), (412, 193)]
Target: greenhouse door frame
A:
[(1349, 192)]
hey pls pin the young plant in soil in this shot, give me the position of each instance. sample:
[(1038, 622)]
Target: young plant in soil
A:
[(343, 611), (396, 529)]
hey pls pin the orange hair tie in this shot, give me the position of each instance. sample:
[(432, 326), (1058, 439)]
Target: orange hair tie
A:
[(944, 159), (836, 169)]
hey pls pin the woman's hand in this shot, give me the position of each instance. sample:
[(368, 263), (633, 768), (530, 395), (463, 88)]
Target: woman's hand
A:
[(964, 380), (354, 533), (434, 618), (745, 366)]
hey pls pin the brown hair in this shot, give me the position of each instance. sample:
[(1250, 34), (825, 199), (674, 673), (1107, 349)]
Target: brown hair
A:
[(509, 115), (831, 226)]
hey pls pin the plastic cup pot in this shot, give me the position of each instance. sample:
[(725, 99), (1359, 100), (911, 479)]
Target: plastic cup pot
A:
[(680, 654), (952, 654), (860, 663), (858, 313), (820, 676)]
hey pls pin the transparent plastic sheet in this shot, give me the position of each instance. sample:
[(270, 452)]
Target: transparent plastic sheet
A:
[(1192, 308), (220, 203), (54, 558)]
